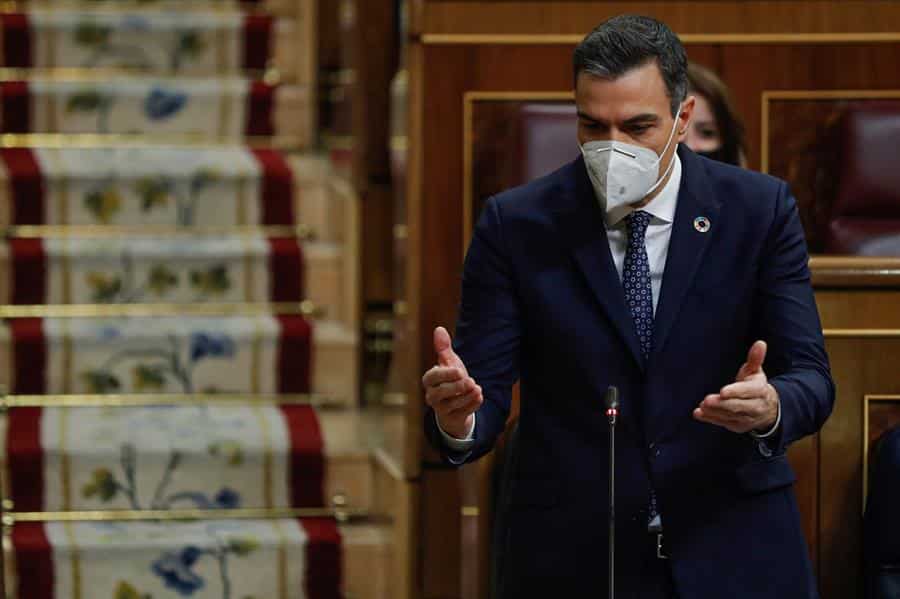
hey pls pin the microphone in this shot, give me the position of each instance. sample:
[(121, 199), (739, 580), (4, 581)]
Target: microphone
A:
[(612, 413), (612, 404)]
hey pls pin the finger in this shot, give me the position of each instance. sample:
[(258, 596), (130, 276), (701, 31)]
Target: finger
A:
[(716, 419), (752, 389), (444, 349), (462, 405), (442, 374), (755, 358), (717, 414), (731, 413), (750, 417), (441, 393), (471, 405), (732, 408)]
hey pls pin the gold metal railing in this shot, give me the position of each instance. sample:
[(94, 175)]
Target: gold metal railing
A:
[(338, 513), (132, 6), (272, 76), (316, 400), (302, 232), (143, 140), (304, 308)]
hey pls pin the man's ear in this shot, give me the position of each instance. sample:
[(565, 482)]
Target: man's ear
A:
[(685, 116)]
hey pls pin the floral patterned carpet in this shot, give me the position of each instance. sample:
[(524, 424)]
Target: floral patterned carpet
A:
[(174, 289)]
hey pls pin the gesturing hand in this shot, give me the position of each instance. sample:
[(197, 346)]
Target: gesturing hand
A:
[(449, 389), (750, 403)]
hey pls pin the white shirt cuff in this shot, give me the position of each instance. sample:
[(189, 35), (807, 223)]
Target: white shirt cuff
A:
[(454, 443), (772, 430)]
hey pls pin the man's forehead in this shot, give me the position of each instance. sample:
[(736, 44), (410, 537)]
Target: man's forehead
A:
[(636, 92)]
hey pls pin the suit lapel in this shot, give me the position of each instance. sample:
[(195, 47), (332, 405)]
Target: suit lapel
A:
[(585, 229), (687, 245)]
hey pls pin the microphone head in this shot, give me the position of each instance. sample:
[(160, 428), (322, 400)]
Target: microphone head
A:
[(612, 398)]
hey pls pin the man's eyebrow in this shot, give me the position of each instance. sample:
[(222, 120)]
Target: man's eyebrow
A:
[(642, 118), (587, 117)]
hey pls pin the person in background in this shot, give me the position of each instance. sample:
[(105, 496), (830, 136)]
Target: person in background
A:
[(716, 131)]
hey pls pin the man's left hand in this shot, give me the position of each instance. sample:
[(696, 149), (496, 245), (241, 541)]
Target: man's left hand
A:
[(748, 404)]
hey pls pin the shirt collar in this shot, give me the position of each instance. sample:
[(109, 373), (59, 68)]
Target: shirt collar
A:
[(662, 207)]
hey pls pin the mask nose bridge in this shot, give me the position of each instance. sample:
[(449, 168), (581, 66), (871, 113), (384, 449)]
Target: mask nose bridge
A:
[(624, 152)]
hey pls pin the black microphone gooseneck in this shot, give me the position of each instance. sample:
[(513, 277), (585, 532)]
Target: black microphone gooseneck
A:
[(612, 413)]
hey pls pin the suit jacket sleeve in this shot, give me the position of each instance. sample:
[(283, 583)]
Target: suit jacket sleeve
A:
[(796, 362), (487, 335)]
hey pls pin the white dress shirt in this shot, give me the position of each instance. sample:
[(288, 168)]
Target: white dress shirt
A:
[(659, 232)]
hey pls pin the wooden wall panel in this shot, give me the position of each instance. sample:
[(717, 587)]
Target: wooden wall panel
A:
[(377, 243), (861, 365), (463, 47), (455, 17), (441, 538)]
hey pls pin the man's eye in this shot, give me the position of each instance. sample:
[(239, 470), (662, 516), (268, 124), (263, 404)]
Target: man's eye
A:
[(638, 129)]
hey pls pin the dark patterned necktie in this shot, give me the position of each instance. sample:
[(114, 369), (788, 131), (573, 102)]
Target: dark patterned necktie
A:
[(636, 280), (639, 297)]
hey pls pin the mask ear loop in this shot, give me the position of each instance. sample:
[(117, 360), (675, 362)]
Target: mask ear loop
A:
[(671, 137), (671, 162)]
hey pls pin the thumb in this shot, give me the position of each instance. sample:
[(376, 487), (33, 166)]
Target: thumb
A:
[(444, 350), (755, 358)]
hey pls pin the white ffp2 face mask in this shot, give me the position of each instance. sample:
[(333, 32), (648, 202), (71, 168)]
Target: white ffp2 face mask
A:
[(624, 173)]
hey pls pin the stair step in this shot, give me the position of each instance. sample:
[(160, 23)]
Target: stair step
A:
[(172, 42), (203, 186), (152, 270), (196, 456), (222, 109), (174, 354), (302, 559)]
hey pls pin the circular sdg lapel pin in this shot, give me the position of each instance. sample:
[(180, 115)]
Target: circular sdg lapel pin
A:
[(702, 224)]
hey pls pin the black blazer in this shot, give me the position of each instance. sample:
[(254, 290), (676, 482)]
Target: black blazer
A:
[(542, 303)]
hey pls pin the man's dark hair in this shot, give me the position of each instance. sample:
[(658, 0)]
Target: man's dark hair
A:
[(626, 42)]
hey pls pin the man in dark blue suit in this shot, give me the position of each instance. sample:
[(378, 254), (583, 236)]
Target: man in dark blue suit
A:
[(679, 280)]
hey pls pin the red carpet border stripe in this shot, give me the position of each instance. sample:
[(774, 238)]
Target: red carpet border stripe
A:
[(25, 459), (29, 265), (307, 456), (323, 558), (294, 354), (260, 109), (257, 41), (26, 185), (16, 99), (17, 40), (34, 561), (286, 266), (277, 187), (29, 356)]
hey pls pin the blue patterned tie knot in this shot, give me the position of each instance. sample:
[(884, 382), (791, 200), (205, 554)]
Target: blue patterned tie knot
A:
[(636, 280), (638, 221)]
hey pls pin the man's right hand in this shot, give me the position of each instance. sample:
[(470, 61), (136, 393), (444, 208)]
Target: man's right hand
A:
[(450, 391)]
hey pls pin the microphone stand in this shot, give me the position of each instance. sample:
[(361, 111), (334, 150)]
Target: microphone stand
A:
[(612, 413)]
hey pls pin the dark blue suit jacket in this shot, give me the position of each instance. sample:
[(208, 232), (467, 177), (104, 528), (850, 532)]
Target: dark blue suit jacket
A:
[(542, 303)]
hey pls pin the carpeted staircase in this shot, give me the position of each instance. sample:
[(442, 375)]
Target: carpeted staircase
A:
[(179, 294)]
